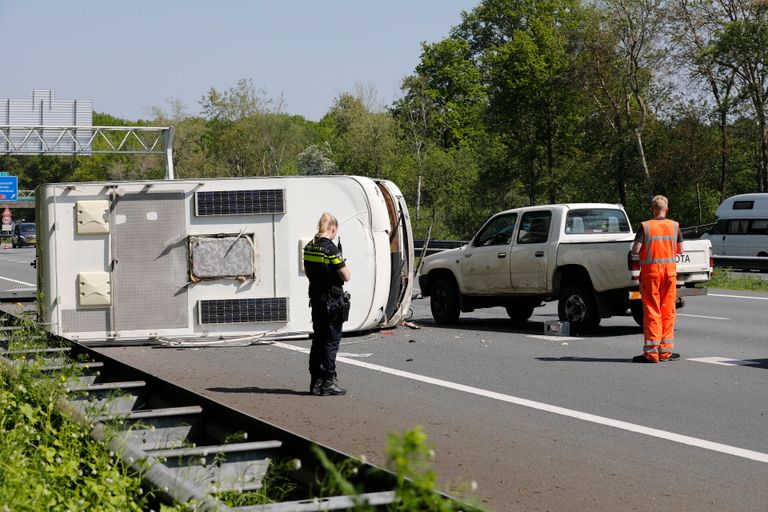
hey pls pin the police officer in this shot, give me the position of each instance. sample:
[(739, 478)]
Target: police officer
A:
[(327, 272), (656, 244)]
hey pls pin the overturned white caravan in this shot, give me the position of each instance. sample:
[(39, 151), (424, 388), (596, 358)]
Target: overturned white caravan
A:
[(211, 259)]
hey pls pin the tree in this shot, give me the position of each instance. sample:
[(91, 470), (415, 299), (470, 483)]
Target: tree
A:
[(694, 24), (248, 134), (365, 141), (599, 71), (314, 161), (742, 46), (639, 26), (442, 104), (522, 48)]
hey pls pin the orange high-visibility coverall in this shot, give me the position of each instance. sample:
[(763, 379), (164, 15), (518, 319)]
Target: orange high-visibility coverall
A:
[(658, 284)]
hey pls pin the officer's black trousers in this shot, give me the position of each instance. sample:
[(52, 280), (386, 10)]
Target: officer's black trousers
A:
[(326, 336)]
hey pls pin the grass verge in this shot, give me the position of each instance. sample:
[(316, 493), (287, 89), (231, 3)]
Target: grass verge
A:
[(48, 462), (726, 279)]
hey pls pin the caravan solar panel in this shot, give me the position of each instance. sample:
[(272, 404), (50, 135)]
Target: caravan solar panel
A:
[(236, 311), (240, 202)]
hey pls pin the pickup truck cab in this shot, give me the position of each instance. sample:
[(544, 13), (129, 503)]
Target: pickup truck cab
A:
[(577, 254)]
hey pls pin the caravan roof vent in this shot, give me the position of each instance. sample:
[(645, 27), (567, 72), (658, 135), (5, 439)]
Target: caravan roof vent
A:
[(240, 202), (237, 311)]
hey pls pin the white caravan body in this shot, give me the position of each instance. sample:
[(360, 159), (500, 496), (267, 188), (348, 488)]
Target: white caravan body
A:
[(219, 258), (742, 226)]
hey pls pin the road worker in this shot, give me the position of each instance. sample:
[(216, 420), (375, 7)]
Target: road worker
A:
[(327, 272), (657, 243)]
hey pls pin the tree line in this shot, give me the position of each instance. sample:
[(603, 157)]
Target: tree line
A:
[(524, 102)]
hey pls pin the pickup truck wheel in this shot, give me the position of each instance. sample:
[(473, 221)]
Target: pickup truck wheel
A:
[(577, 305), (519, 312), (444, 302), (636, 307)]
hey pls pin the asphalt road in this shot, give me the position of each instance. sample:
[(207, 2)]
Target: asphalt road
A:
[(15, 270), (538, 422)]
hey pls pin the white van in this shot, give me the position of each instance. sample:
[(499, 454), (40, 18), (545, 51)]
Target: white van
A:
[(742, 226)]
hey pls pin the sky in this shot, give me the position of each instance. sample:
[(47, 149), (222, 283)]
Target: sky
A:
[(128, 56)]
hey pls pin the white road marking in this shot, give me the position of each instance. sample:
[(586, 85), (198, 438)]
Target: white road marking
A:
[(703, 316), (15, 281), (350, 354), (736, 296), (725, 361), (571, 413), (551, 337)]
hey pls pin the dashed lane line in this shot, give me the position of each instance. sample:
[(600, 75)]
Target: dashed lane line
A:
[(703, 316), (736, 296), (727, 361), (562, 411), (552, 337), (15, 281)]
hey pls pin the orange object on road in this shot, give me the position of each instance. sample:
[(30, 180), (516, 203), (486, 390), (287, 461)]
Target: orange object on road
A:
[(658, 285)]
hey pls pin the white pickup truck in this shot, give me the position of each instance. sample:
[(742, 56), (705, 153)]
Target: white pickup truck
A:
[(577, 254)]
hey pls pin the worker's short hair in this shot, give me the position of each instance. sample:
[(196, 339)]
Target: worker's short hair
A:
[(659, 202)]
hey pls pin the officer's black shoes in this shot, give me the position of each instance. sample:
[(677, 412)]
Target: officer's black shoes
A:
[(328, 387), (314, 385), (673, 356)]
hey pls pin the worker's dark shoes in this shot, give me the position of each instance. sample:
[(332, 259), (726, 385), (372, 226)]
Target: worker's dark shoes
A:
[(672, 357), (314, 385), (327, 387), (641, 359)]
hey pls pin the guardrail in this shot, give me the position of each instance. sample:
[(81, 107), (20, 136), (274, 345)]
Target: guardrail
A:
[(694, 232), (741, 262), (435, 246)]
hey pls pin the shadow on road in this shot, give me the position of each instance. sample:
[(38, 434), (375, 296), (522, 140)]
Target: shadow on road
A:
[(586, 359), (263, 391), (505, 325)]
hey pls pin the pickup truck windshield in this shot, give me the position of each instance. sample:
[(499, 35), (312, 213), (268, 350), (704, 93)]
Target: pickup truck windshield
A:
[(27, 229), (596, 220)]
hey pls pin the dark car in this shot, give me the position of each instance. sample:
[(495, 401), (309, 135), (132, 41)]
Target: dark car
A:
[(24, 234)]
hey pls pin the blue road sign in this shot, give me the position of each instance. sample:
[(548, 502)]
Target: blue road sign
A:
[(9, 188)]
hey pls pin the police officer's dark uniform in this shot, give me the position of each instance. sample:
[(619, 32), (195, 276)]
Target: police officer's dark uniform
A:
[(322, 260)]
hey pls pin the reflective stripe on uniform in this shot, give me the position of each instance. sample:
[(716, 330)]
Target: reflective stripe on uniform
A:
[(665, 348), (651, 346), (319, 255), (657, 260), (316, 257)]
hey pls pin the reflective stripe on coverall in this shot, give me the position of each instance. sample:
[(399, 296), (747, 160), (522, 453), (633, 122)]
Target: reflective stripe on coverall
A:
[(658, 284)]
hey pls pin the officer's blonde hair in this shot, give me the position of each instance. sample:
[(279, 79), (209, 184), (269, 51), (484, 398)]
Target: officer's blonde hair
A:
[(325, 223), (659, 202)]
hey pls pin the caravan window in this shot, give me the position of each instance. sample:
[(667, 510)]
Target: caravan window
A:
[(738, 227), (720, 228), (759, 227), (743, 205)]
